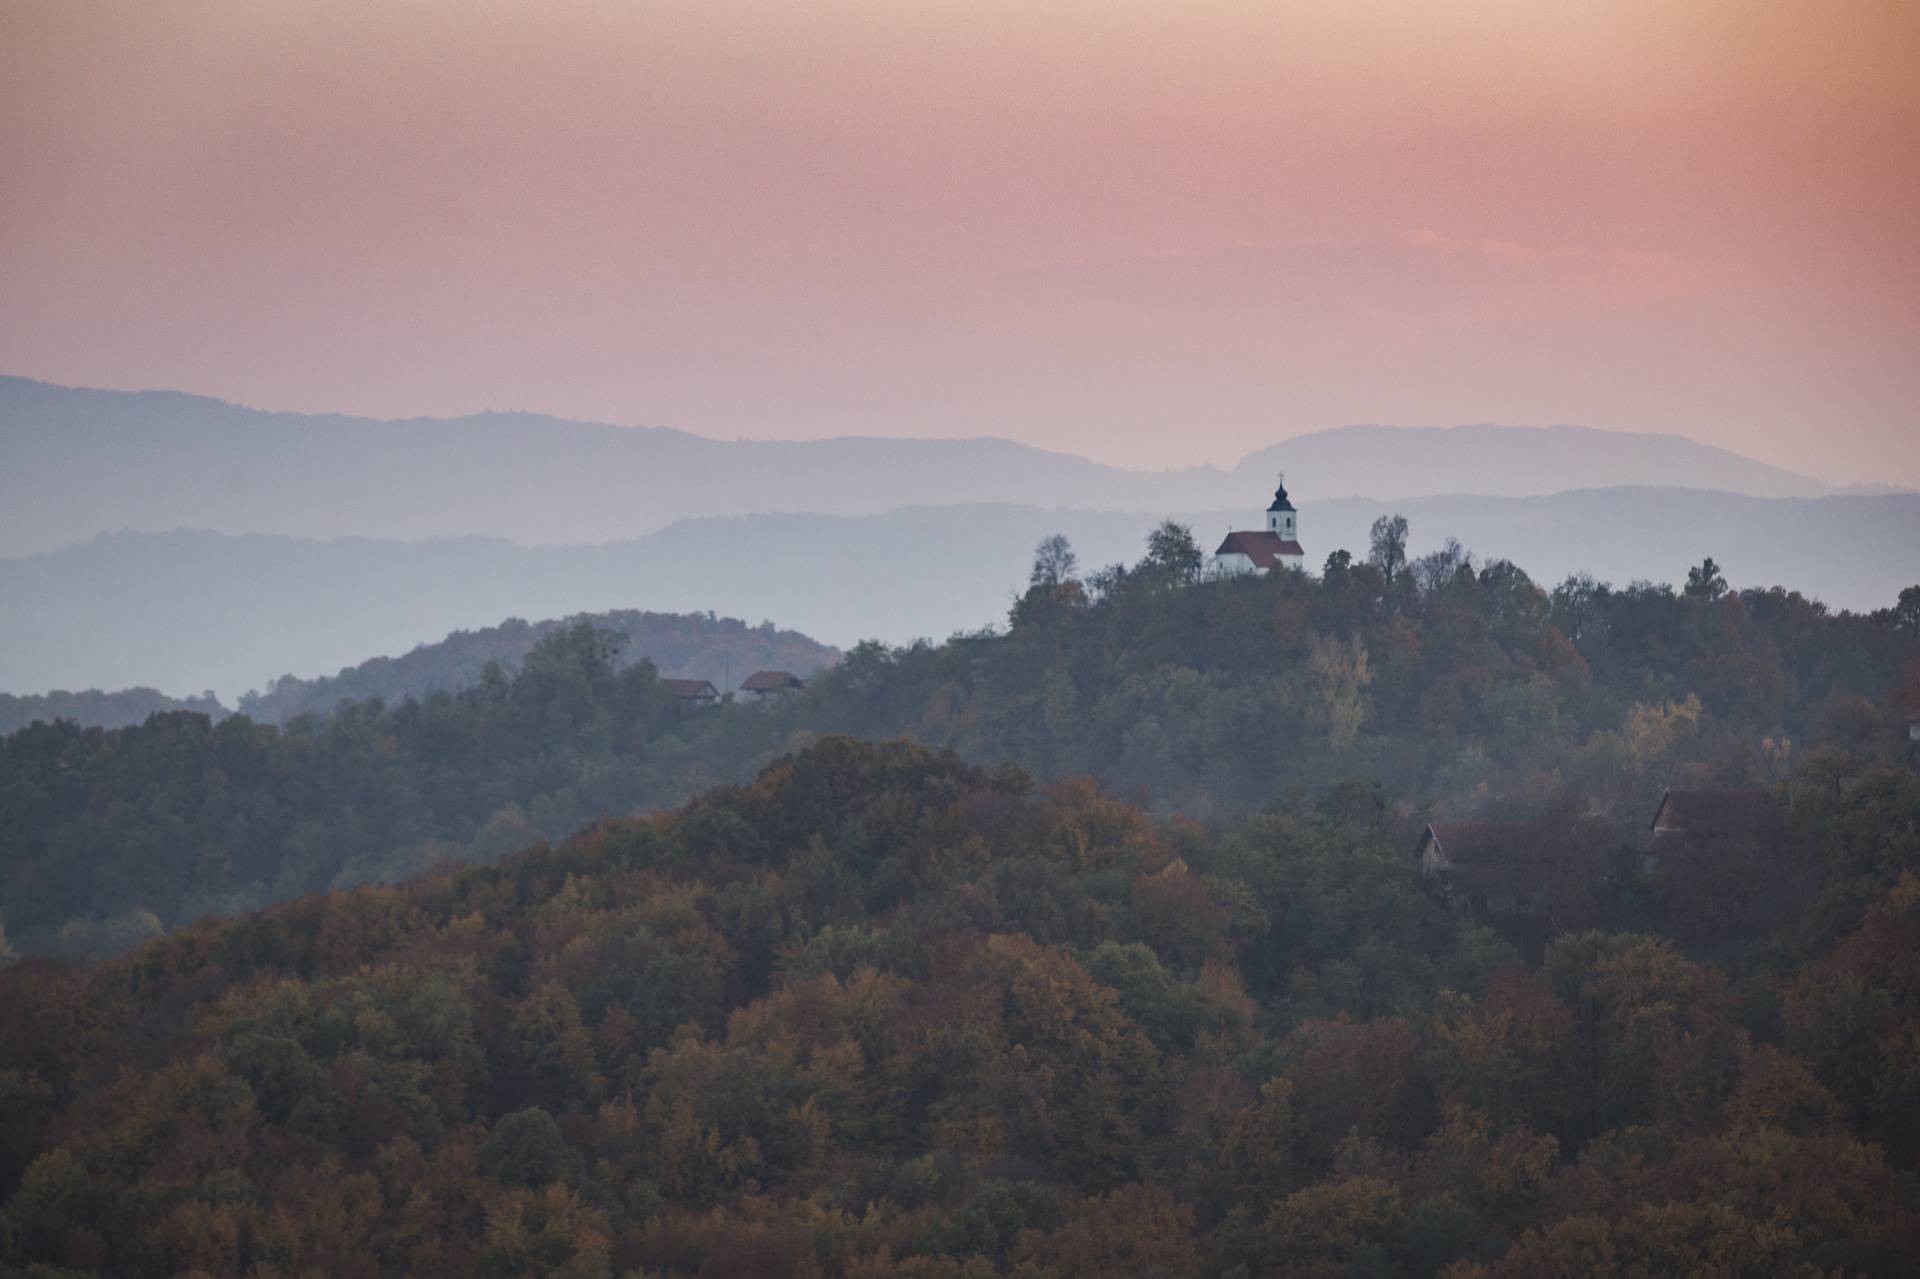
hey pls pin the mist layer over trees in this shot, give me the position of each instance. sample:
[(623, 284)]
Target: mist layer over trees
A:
[(1463, 687), (187, 611)]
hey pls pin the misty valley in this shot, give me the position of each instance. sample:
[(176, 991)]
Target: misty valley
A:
[(954, 640)]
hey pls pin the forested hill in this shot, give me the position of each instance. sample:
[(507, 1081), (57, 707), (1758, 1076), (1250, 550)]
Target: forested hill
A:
[(192, 610), (1464, 687), (886, 1015), (724, 650), (93, 708)]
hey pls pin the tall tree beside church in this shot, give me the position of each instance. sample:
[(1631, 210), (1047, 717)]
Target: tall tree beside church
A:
[(1387, 546)]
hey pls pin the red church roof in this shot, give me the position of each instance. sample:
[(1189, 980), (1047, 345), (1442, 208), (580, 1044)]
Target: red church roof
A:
[(1260, 546)]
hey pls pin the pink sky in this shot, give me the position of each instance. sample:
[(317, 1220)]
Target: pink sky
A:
[(1152, 233)]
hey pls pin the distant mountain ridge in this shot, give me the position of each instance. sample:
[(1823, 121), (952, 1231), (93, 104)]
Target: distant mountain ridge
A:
[(82, 462), (189, 610), (1518, 461)]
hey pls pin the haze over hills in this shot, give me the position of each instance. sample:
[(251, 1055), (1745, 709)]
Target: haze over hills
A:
[(96, 709), (195, 610), (721, 650), (83, 462), (1393, 462)]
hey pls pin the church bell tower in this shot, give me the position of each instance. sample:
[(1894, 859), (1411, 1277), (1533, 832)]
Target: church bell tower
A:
[(1282, 519)]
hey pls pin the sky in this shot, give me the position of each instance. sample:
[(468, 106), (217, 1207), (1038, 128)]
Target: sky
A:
[(1155, 234)]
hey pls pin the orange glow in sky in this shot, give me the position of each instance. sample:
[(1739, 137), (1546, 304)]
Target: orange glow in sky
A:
[(1153, 233)]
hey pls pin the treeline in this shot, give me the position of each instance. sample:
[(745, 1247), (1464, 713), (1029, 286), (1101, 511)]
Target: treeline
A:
[(93, 708), (110, 837), (882, 1013), (1462, 684), (692, 645), (1465, 687)]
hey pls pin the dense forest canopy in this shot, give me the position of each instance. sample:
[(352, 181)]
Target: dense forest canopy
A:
[(1463, 687), (883, 1013)]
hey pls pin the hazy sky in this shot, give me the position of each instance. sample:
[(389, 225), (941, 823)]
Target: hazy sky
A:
[(1154, 233)]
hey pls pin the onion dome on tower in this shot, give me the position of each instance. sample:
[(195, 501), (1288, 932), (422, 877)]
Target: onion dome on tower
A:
[(1282, 519)]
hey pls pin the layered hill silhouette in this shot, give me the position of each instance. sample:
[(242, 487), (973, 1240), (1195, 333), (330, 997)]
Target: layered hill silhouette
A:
[(198, 610), (92, 708), (83, 462), (721, 650)]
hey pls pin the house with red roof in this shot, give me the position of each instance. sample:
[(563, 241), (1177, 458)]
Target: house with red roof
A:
[(771, 684), (1261, 551), (1709, 823), (1714, 814), (690, 692), (1488, 868)]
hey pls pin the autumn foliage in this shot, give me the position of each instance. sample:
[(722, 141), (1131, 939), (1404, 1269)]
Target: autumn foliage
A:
[(881, 1013)]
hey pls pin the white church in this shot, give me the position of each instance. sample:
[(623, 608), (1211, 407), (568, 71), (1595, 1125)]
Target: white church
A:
[(1263, 550)]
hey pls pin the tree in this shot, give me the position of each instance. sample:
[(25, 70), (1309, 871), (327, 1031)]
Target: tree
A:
[(1054, 562), (526, 1151), (1905, 614), (1438, 570), (1389, 541), (1577, 606), (1705, 582), (1054, 586), (1510, 594), (1140, 1230), (1337, 676), (1172, 556)]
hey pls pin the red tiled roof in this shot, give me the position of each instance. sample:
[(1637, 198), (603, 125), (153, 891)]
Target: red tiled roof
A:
[(771, 682), (1493, 857), (1494, 843), (1260, 546), (689, 689), (1707, 812)]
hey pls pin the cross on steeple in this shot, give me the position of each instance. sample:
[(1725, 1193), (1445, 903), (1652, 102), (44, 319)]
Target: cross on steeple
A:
[(1280, 516)]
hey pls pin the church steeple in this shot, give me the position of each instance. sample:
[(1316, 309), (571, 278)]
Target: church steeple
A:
[(1282, 519)]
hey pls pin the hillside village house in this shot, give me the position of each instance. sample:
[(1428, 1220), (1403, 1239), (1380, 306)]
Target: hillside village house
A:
[(1713, 813), (1700, 819), (1513, 869), (1487, 868), (771, 685), (1260, 551), (691, 692)]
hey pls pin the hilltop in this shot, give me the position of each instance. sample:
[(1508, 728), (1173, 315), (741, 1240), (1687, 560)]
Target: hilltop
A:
[(93, 708), (190, 610), (723, 650), (1455, 681)]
